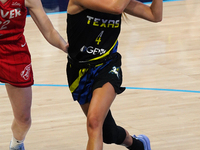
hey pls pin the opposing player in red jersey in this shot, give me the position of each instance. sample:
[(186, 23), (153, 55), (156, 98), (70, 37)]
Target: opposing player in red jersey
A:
[(15, 60)]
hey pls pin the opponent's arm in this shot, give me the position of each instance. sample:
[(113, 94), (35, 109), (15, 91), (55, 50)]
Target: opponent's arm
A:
[(151, 13), (44, 24)]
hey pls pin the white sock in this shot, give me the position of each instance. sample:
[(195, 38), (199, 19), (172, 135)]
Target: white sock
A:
[(15, 142)]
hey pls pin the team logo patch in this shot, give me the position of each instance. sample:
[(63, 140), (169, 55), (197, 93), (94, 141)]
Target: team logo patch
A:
[(115, 70), (26, 72)]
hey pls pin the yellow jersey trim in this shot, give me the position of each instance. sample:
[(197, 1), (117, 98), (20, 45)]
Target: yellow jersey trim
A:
[(107, 53)]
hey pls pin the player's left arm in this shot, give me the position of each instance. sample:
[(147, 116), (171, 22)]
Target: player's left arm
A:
[(44, 24), (152, 13)]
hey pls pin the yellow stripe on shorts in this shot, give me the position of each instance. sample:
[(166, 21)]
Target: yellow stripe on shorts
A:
[(76, 82)]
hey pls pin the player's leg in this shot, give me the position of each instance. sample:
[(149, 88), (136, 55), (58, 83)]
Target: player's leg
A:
[(140, 142), (112, 133), (21, 100), (96, 113), (115, 134)]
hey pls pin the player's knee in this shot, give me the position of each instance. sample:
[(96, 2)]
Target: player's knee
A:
[(111, 132), (93, 122), (121, 135), (108, 135), (115, 135), (23, 120)]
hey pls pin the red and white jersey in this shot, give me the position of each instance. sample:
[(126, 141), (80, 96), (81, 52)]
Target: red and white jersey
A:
[(12, 20)]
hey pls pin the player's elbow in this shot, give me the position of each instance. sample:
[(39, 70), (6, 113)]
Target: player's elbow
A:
[(157, 19), (117, 10)]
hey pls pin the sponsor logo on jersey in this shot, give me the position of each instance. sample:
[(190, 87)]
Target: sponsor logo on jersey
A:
[(16, 4), (93, 50), (26, 72)]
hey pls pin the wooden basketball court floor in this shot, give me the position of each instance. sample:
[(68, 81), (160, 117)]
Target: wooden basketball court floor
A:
[(161, 67)]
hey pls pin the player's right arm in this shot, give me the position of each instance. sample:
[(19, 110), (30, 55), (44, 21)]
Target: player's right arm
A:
[(151, 13)]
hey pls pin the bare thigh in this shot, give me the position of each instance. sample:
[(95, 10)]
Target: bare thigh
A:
[(21, 100), (101, 101)]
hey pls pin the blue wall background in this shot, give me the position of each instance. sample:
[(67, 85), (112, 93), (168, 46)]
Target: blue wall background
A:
[(55, 5), (51, 6)]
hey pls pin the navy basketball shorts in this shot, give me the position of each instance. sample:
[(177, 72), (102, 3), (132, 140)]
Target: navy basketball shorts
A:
[(83, 81)]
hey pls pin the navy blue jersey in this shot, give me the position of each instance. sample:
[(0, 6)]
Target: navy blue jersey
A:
[(92, 35)]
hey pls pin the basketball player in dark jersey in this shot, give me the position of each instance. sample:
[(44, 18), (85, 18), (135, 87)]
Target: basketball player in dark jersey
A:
[(94, 65), (15, 60)]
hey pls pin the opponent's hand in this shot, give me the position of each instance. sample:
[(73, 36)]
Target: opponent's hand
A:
[(66, 48)]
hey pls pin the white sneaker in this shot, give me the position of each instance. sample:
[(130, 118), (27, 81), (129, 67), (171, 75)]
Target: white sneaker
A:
[(19, 147)]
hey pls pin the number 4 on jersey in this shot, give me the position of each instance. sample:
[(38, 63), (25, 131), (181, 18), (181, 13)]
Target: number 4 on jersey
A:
[(98, 39)]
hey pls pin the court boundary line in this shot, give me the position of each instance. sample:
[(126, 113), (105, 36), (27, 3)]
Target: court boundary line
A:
[(129, 88)]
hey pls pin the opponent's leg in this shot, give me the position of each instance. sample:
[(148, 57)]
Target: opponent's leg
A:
[(21, 99)]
